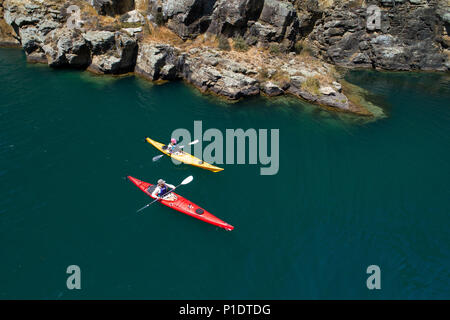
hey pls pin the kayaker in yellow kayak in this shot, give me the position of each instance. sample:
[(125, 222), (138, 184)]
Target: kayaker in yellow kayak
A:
[(172, 147), (162, 188)]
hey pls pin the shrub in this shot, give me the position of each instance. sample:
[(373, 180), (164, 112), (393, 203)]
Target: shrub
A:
[(224, 44), (274, 49), (130, 24), (302, 47), (239, 44), (159, 18), (263, 73), (113, 27), (312, 85), (298, 47)]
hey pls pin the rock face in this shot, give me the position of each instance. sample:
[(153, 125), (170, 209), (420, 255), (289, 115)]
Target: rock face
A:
[(187, 18), (66, 47), (231, 18), (413, 35), (8, 38), (117, 56), (282, 44), (409, 37), (46, 37), (264, 21), (159, 61), (235, 76), (112, 7), (209, 71)]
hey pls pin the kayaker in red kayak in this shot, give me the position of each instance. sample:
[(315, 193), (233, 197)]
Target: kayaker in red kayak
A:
[(162, 188)]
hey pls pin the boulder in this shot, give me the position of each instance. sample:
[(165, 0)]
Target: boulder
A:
[(112, 7), (231, 17), (187, 18), (158, 61), (121, 58), (225, 82), (100, 41), (67, 48), (31, 39), (271, 89), (133, 17)]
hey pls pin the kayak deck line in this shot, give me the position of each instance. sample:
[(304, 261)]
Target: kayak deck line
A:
[(183, 205), (185, 157)]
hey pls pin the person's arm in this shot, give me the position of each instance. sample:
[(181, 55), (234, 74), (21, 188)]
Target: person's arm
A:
[(155, 192), (170, 186)]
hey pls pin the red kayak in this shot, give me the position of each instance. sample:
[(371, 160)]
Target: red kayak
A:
[(183, 205)]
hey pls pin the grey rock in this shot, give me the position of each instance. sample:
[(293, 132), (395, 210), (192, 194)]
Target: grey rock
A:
[(133, 16), (66, 48), (120, 59), (133, 31), (48, 25), (187, 18), (231, 17), (158, 61), (327, 91), (406, 30), (37, 57), (224, 82), (336, 100), (112, 7), (271, 89), (264, 32), (277, 13), (100, 41), (31, 39), (296, 81)]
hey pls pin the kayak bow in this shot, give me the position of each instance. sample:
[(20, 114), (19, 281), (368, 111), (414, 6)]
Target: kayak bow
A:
[(182, 205), (185, 157)]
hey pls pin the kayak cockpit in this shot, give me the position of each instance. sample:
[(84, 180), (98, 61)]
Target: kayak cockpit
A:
[(168, 196)]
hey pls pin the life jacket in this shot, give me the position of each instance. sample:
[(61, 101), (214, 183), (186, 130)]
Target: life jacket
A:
[(163, 190), (171, 147)]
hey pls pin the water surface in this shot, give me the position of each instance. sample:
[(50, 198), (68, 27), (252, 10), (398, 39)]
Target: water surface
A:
[(348, 194)]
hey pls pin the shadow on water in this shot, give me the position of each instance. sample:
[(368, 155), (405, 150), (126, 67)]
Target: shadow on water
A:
[(379, 82)]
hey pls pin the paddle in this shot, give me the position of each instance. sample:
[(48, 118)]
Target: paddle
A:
[(190, 143), (181, 147), (184, 182), (157, 157)]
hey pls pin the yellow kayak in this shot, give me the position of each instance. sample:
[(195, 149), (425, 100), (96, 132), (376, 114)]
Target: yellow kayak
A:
[(185, 157)]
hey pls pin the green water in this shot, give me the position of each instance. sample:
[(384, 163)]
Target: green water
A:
[(348, 194)]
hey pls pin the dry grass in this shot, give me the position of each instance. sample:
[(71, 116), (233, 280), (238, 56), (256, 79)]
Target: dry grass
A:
[(280, 77), (163, 34), (356, 3), (447, 52), (5, 29), (323, 4), (141, 5), (312, 85)]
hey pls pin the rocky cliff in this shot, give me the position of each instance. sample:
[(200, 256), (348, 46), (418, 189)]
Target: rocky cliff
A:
[(234, 48), (8, 37), (412, 35)]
